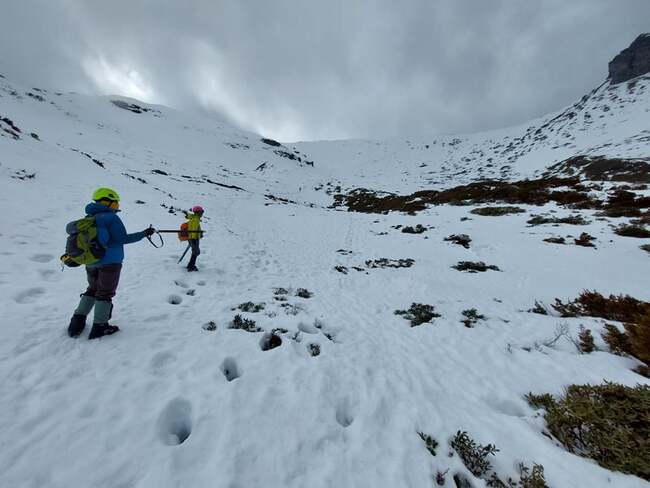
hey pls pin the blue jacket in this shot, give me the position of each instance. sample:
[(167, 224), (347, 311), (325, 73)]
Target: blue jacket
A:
[(111, 233)]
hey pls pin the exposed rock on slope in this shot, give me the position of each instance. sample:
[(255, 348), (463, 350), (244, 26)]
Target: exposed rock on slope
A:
[(631, 62)]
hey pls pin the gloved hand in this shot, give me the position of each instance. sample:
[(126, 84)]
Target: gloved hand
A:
[(148, 231)]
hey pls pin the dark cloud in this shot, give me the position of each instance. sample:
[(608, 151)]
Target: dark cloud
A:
[(331, 69)]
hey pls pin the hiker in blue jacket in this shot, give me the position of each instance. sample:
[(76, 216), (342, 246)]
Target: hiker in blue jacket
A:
[(104, 275)]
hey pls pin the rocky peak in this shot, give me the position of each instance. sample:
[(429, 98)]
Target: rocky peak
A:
[(631, 62)]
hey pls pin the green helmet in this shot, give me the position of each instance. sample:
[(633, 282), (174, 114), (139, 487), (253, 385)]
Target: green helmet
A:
[(106, 194)]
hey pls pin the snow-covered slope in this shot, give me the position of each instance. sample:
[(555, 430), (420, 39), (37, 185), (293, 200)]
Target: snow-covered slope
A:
[(111, 412), (610, 121)]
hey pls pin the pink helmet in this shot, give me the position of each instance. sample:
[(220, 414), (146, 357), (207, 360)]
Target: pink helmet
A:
[(197, 209)]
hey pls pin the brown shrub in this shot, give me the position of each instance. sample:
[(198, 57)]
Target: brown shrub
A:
[(532, 192), (633, 231), (623, 203), (555, 240), (368, 201), (618, 342), (643, 370), (622, 308), (603, 169), (620, 212), (497, 211), (639, 337), (644, 219), (626, 199), (460, 239), (586, 340), (585, 240)]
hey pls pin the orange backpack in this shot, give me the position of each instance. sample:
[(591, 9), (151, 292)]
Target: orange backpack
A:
[(183, 234)]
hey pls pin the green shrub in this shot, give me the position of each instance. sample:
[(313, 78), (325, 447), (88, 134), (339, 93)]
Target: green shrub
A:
[(418, 229), (418, 313), (440, 477), (527, 478), (608, 423), (280, 294), (251, 307), (545, 400), (473, 455), (471, 317), (314, 349), (239, 322), (211, 326), (430, 443), (304, 293), (571, 219), (539, 308), (530, 478), (390, 263), (474, 266)]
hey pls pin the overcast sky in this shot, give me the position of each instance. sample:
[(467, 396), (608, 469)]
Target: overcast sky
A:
[(307, 69)]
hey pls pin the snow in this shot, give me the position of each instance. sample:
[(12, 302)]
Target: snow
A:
[(166, 403)]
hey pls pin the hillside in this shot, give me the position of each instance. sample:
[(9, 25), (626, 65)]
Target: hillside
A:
[(179, 398)]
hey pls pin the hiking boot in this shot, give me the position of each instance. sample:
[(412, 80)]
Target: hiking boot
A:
[(77, 325), (100, 330), (192, 268)]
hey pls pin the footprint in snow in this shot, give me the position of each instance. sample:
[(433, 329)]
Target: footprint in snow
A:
[(41, 258), (157, 318), (230, 369), (175, 299), (160, 361), (175, 422), (344, 415), (29, 296), (270, 341), (200, 283), (307, 328), (48, 274), (180, 283)]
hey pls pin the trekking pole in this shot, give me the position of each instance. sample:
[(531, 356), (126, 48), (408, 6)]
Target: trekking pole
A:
[(186, 249)]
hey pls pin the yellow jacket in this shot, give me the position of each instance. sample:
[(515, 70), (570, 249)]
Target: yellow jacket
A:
[(194, 226)]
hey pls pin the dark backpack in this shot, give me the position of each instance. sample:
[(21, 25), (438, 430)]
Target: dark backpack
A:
[(82, 246)]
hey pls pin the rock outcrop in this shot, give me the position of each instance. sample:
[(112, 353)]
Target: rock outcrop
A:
[(631, 62)]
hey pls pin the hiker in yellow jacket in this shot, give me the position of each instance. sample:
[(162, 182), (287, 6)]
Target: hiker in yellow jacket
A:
[(195, 234)]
